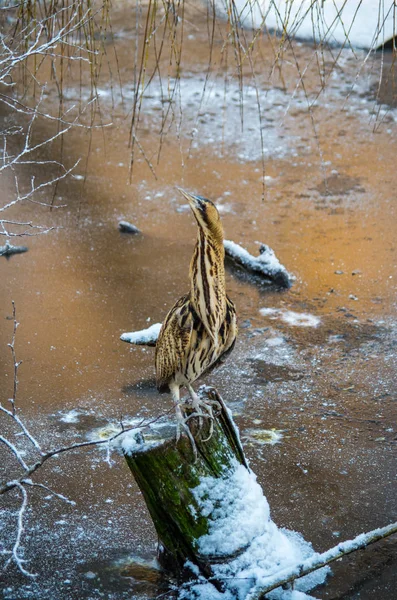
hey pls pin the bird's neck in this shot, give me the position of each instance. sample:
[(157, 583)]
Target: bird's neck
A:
[(207, 282)]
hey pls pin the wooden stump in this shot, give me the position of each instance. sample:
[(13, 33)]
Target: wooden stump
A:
[(167, 473)]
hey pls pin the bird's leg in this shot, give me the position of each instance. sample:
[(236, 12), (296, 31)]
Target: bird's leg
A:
[(181, 421), (202, 409)]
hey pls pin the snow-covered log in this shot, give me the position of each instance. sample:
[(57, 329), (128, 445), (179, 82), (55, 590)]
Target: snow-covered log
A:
[(8, 249), (126, 227), (212, 519), (266, 265), (144, 337)]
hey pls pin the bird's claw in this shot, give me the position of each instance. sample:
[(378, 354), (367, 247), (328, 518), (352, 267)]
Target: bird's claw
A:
[(202, 410)]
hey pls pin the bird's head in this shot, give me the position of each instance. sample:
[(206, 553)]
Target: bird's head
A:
[(206, 214)]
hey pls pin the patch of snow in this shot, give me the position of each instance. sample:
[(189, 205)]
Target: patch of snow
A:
[(90, 575), (145, 336), (224, 208), (131, 441), (291, 317), (363, 24), (275, 341), (290, 595), (72, 416)]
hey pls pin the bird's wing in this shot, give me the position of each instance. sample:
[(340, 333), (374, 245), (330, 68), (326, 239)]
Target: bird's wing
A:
[(228, 333), (172, 342)]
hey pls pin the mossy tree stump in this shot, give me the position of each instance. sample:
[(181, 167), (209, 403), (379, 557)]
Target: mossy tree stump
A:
[(167, 473)]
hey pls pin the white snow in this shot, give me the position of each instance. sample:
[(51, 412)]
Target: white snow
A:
[(275, 341), (131, 441), (291, 317), (145, 336), (359, 23), (240, 524), (72, 416), (235, 518)]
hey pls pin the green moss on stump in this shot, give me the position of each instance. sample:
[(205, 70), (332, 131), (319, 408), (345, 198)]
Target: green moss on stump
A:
[(167, 472)]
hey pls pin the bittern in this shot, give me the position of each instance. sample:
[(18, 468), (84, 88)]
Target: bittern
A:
[(200, 329)]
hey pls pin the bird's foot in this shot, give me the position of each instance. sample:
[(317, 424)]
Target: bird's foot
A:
[(203, 410)]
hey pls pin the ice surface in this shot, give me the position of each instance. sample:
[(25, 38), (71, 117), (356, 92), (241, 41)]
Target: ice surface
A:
[(360, 23), (291, 317), (214, 109)]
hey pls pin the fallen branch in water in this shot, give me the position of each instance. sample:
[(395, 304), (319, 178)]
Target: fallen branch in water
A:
[(266, 265), (126, 227), (144, 337), (8, 249)]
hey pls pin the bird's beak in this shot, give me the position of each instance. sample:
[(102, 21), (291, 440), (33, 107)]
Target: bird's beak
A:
[(196, 203)]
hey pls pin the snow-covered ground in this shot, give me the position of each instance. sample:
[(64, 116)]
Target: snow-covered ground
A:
[(360, 23)]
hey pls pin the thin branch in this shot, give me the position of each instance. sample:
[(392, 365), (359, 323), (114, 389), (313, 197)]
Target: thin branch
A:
[(56, 451), (321, 560), (30, 483), (15, 557), (16, 364), (15, 452)]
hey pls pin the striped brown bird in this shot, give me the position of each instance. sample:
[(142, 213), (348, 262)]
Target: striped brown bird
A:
[(200, 329)]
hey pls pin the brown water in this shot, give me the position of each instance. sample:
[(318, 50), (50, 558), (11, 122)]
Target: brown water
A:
[(330, 389)]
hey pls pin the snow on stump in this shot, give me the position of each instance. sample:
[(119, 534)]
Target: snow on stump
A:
[(210, 514)]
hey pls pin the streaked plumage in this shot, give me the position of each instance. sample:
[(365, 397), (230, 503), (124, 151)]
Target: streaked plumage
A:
[(200, 329)]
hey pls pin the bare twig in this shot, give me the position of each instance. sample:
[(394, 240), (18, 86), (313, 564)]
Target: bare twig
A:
[(16, 364), (15, 556)]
